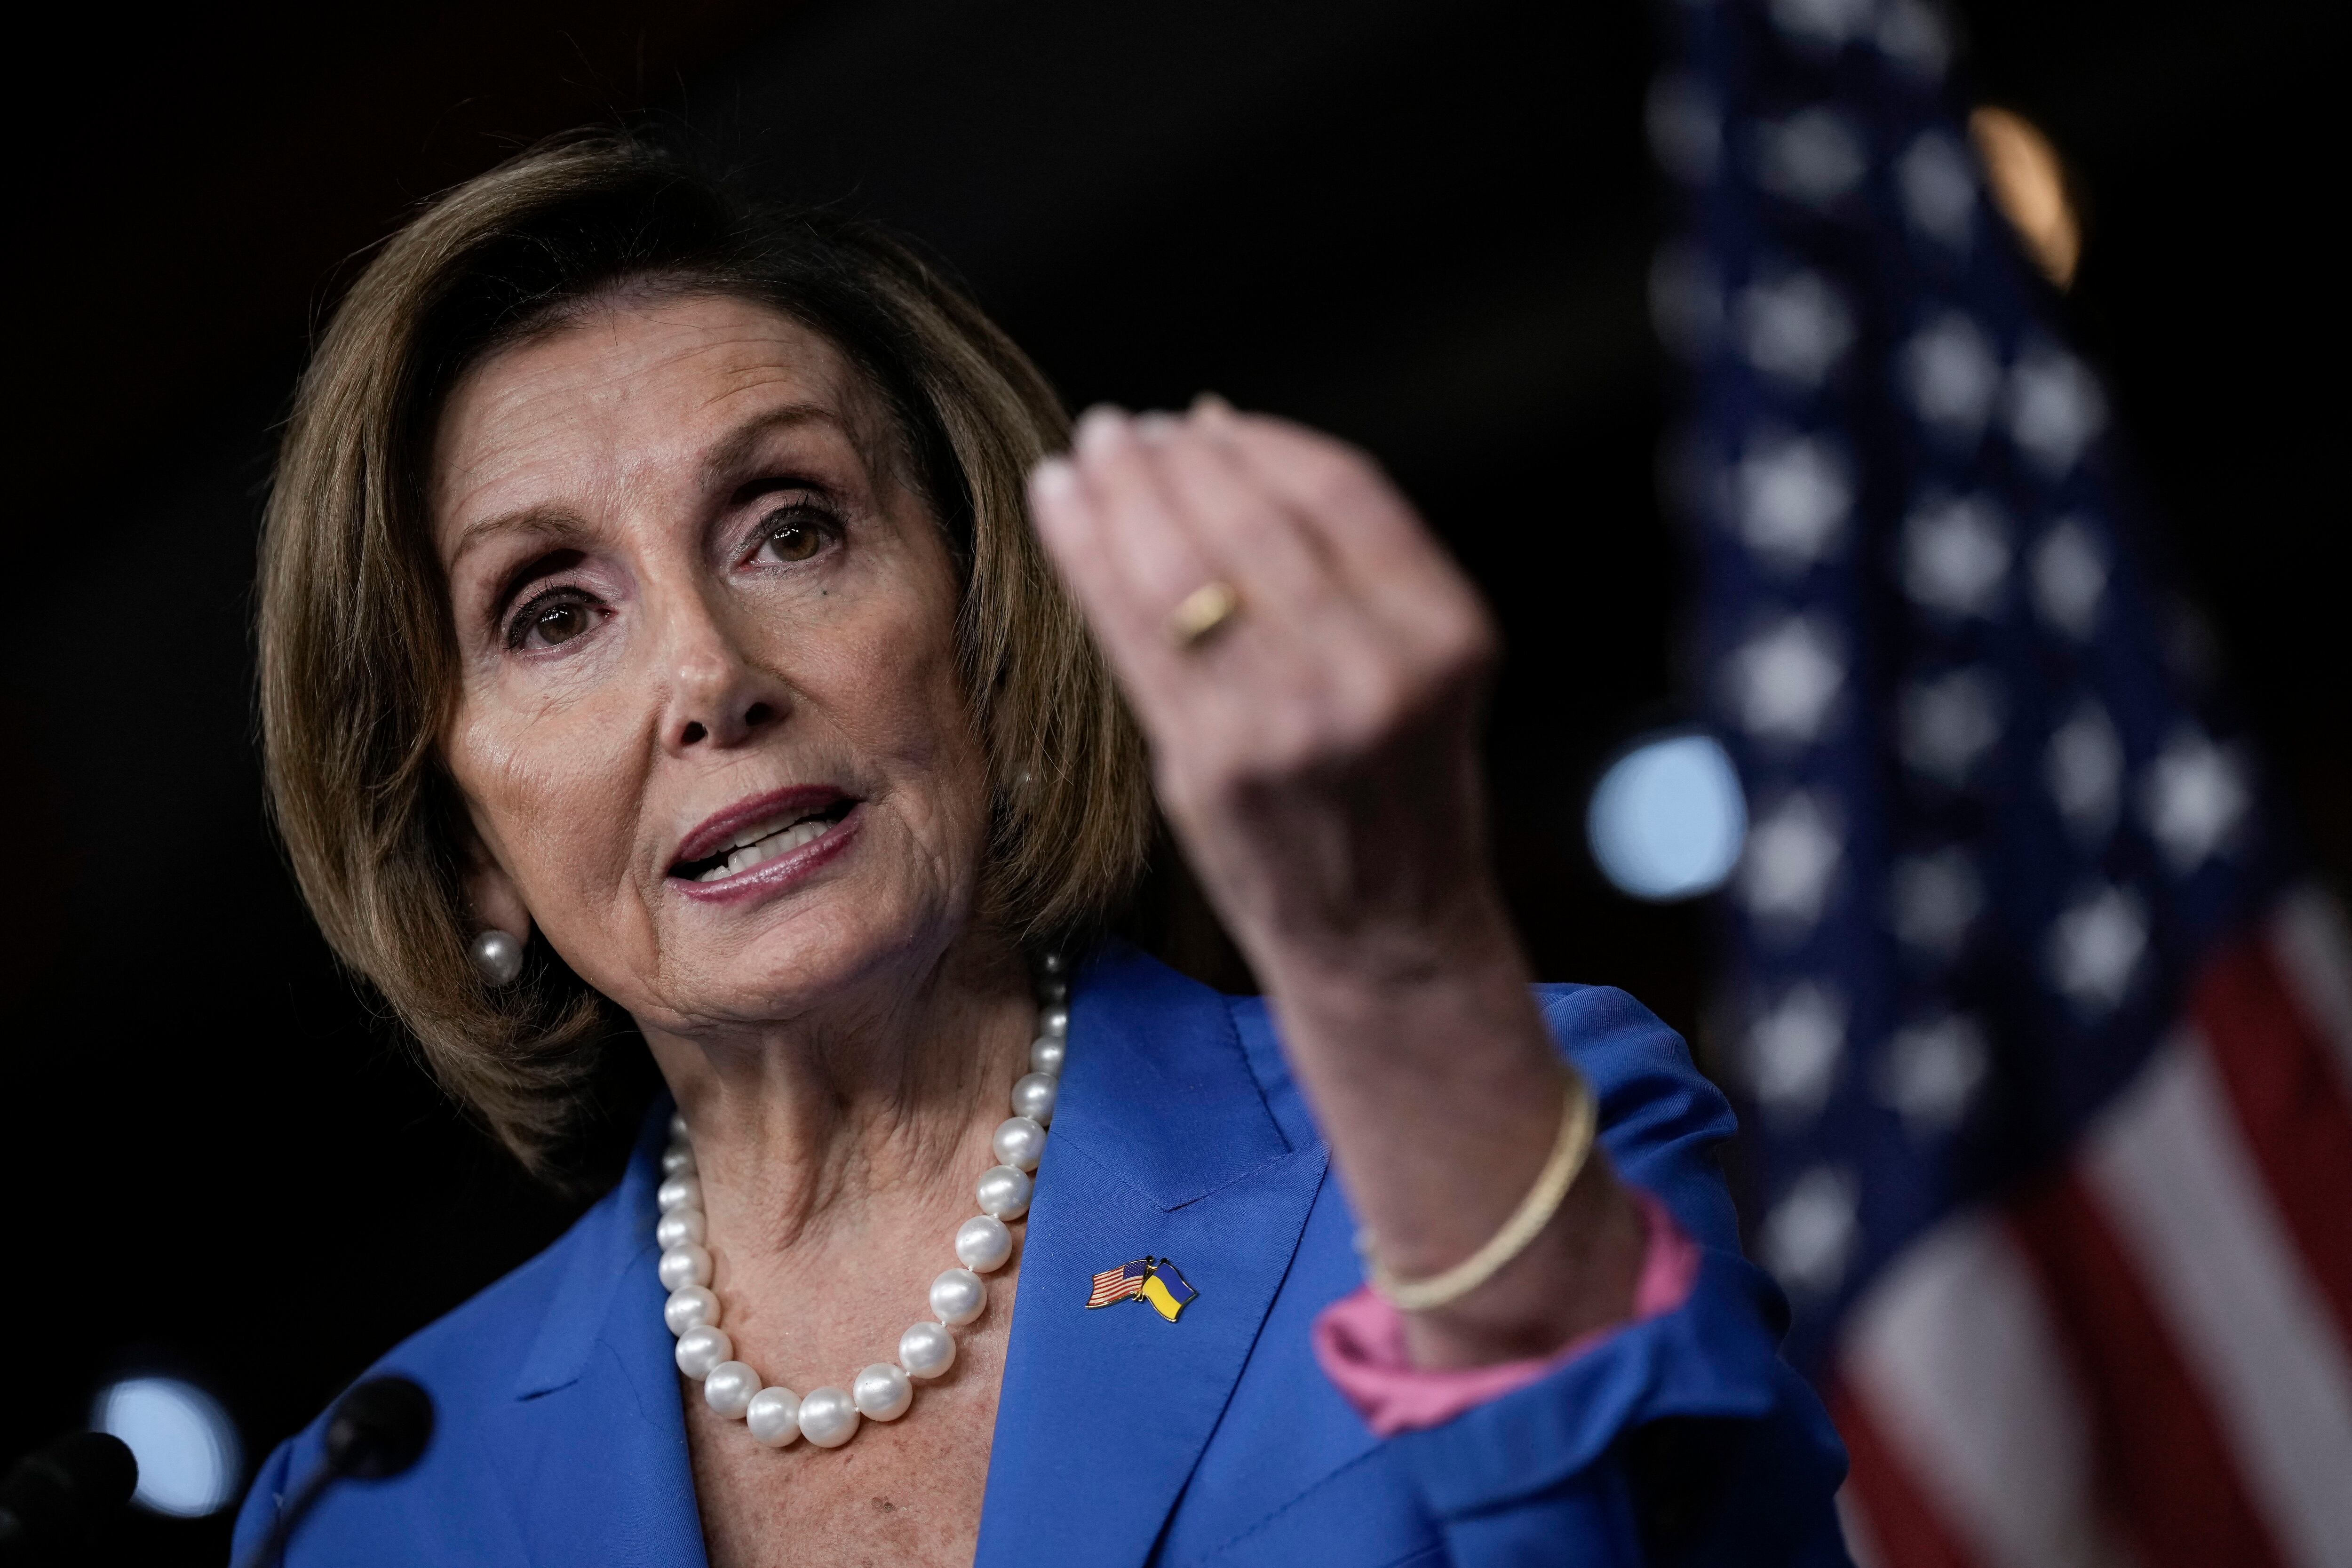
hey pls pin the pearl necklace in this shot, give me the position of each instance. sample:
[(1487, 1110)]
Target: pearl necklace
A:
[(829, 1416)]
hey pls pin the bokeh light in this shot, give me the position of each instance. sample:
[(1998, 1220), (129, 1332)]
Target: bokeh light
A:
[(189, 1458), (2029, 186), (1668, 818)]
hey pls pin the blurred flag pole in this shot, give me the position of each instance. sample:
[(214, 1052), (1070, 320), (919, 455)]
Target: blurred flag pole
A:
[(2046, 1045)]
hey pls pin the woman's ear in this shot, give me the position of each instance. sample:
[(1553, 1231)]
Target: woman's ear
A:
[(497, 900)]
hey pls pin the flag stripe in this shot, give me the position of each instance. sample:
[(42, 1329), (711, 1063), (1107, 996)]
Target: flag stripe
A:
[(1119, 1284), (2314, 950), (2172, 1176), (1953, 1352), (2290, 1106), (2167, 1473), (1860, 1534), (1904, 1526)]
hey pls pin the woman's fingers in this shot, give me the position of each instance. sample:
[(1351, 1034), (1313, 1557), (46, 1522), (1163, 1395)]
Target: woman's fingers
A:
[(1143, 548), (1179, 505), (1248, 532), (1129, 559), (1312, 638), (1373, 538), (1073, 528), (1147, 539), (1351, 621), (1433, 630)]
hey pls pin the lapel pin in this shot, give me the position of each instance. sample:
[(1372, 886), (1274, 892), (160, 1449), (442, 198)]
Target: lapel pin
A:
[(1155, 1281)]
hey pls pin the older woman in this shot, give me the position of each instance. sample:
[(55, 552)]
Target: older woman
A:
[(654, 633)]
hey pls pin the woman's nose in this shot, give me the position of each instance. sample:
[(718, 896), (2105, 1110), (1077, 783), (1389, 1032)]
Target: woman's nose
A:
[(717, 696)]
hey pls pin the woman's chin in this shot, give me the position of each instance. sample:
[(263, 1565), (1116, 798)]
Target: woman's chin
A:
[(803, 975), (765, 946)]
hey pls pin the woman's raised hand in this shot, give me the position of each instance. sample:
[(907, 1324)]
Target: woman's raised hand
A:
[(1315, 745), (1309, 668)]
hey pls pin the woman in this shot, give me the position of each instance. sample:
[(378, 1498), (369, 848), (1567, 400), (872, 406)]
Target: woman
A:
[(653, 627)]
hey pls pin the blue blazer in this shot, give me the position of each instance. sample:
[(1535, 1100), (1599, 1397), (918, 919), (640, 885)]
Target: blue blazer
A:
[(1121, 1439)]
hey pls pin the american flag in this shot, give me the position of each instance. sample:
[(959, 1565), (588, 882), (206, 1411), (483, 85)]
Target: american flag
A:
[(1119, 1284), (2048, 1053)]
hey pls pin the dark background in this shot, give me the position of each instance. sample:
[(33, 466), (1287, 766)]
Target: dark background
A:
[(1423, 225)]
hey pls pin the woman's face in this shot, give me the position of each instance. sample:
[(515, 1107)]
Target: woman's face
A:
[(708, 727)]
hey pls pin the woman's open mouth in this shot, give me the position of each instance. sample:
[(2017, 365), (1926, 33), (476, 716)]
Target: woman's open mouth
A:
[(761, 831)]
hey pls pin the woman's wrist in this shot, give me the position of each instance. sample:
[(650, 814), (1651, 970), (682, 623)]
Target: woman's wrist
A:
[(1570, 1150), (1580, 1275), (1437, 1084)]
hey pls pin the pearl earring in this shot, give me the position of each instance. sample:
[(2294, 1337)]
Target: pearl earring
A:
[(497, 957)]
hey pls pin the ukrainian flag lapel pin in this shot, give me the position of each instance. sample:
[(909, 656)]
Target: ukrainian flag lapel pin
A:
[(1167, 1290), (1153, 1279)]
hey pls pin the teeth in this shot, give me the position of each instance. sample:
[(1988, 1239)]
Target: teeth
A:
[(784, 841)]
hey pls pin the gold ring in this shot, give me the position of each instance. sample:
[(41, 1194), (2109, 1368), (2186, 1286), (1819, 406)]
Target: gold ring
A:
[(1202, 613)]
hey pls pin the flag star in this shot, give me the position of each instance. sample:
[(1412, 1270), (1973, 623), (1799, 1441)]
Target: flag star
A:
[(2086, 769), (1686, 300), (2095, 948), (1956, 555), (1937, 897), (2055, 408), (1686, 128), (1951, 373), (2193, 796), (1911, 34), (1794, 327), (1950, 724), (1809, 1235), (1793, 1050), (1791, 858), (2070, 578), (1931, 1071), (1823, 24), (1791, 501), (1785, 679), (1813, 156), (1939, 187)]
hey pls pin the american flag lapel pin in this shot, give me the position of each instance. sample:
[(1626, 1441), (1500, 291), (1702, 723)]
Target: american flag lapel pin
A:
[(1155, 1281)]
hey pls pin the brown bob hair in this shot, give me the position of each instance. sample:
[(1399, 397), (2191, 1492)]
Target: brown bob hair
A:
[(358, 670)]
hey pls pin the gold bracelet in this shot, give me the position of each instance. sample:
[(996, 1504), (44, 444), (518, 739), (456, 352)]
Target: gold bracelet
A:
[(1580, 1119)]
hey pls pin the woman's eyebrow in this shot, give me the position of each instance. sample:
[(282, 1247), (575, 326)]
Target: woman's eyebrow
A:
[(733, 452), (548, 522)]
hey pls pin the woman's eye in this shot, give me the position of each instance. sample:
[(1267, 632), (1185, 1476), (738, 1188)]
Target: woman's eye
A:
[(551, 620), (794, 535)]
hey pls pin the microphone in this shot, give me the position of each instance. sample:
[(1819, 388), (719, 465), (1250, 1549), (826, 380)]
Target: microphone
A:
[(379, 1429), (56, 1496)]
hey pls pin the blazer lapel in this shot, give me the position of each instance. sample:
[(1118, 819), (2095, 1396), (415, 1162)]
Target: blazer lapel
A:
[(1163, 1145), (591, 1446)]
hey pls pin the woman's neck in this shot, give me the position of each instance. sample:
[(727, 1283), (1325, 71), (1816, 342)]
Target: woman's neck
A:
[(860, 1115)]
